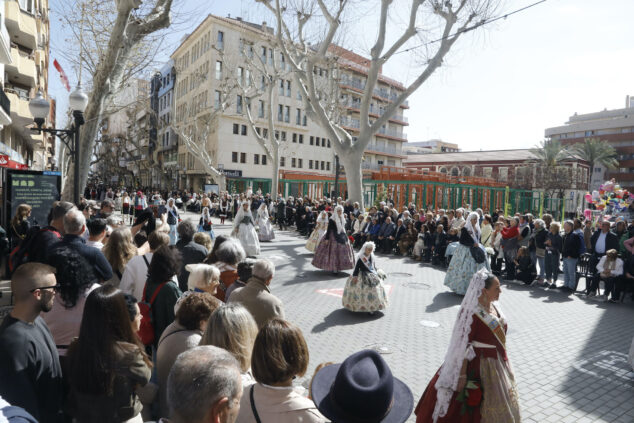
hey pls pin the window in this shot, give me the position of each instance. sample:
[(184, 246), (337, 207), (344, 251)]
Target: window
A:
[(264, 159), (328, 142), (239, 105), (236, 129), (220, 44), (327, 165), (310, 164), (282, 61), (262, 83), (293, 162), (258, 130), (263, 55), (282, 161), (304, 121), (260, 109), (280, 113), (280, 90), (323, 142), (283, 135), (298, 117), (277, 134), (487, 172), (287, 114), (299, 163), (218, 70), (294, 137), (243, 157), (312, 140), (503, 174), (323, 165), (288, 88), (265, 133), (243, 130), (240, 75), (234, 157), (256, 159)]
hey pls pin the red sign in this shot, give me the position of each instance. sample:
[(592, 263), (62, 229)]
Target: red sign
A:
[(6, 162)]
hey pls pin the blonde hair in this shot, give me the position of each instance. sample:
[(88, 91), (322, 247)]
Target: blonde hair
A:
[(203, 239), (20, 214), (555, 225), (120, 248), (232, 328)]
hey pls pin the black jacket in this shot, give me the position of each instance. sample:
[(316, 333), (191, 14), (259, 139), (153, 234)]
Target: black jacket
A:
[(572, 244), (191, 253), (465, 238), (94, 256), (611, 241)]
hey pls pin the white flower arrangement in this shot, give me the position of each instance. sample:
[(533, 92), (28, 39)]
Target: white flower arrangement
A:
[(381, 274)]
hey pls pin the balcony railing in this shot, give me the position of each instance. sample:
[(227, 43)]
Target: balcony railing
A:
[(384, 149), (392, 133), (349, 122), (5, 103), (353, 83), (370, 166), (374, 110)]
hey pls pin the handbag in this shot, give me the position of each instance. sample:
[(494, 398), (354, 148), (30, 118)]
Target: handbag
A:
[(477, 254)]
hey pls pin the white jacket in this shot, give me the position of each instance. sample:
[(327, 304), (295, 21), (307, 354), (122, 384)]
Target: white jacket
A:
[(618, 268)]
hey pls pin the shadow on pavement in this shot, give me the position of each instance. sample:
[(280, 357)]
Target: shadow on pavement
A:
[(343, 317), (549, 295), (444, 300)]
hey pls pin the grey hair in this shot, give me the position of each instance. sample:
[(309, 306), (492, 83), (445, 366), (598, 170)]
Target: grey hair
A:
[(201, 275), (186, 230), (74, 222), (263, 269), (230, 252), (539, 222), (200, 378)]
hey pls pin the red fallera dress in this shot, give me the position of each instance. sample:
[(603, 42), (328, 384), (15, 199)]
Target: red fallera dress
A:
[(491, 368)]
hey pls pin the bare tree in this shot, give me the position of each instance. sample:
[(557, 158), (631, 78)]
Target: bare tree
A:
[(299, 21), (116, 51)]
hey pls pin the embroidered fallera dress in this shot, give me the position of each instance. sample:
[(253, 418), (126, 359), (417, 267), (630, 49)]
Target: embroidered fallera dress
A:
[(244, 230), (317, 234), (364, 289), (489, 365), (334, 252), (266, 232), (462, 265)]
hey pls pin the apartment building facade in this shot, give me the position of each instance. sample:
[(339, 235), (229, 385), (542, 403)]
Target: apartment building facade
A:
[(616, 127), (24, 60), (167, 143), (386, 147), (203, 63)]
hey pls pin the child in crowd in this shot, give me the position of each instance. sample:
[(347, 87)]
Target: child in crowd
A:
[(524, 266)]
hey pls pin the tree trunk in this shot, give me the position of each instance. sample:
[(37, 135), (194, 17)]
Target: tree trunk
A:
[(276, 170), (351, 162)]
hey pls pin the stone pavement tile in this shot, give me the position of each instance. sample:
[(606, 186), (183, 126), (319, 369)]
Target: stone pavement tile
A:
[(567, 353)]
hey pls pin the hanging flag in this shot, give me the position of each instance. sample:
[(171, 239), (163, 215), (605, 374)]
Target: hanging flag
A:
[(62, 74)]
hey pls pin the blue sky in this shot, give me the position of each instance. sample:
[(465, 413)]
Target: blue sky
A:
[(499, 88)]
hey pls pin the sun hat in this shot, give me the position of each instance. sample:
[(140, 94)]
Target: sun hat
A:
[(361, 389)]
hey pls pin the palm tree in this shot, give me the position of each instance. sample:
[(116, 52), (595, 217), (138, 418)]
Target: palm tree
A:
[(550, 176), (550, 153), (595, 151)]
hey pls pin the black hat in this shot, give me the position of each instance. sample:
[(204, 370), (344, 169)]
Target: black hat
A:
[(361, 389)]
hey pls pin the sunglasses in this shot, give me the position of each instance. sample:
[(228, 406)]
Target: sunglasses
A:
[(55, 288)]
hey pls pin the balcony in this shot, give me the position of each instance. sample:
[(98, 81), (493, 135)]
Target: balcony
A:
[(22, 68), (20, 114), (392, 133), (370, 166), (5, 46), (359, 85), (5, 109), (21, 25), (349, 122), (384, 149)]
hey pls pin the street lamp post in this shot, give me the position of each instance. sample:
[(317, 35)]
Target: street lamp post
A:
[(78, 100)]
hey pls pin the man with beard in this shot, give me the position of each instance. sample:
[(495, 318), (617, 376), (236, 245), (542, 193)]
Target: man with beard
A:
[(30, 373)]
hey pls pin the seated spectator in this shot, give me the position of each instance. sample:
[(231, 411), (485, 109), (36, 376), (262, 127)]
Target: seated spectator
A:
[(371, 392), (75, 281), (191, 252), (439, 245), (361, 237), (135, 273), (119, 250), (164, 266), (216, 395), (280, 354), (407, 239), (181, 335), (97, 230), (30, 372), (609, 270), (232, 328), (74, 227), (385, 237), (524, 266), (256, 295), (106, 362), (228, 255), (245, 271)]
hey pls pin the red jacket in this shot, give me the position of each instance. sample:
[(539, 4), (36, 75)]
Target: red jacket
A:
[(511, 232)]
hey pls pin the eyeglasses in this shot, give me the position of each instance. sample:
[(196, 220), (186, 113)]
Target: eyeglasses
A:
[(55, 288)]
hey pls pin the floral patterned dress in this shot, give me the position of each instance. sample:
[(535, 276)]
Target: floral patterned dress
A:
[(364, 289), (316, 236)]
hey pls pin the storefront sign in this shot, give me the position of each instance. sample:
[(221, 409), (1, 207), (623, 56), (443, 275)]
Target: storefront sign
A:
[(8, 163), (37, 189), (232, 173)]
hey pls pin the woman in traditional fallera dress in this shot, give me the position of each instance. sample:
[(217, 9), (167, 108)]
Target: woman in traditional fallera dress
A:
[(364, 289), (334, 252), (463, 265), (475, 384), (205, 225), (264, 223), (321, 225), (224, 207), (244, 230)]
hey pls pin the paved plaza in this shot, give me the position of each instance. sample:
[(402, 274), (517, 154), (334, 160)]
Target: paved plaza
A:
[(569, 354)]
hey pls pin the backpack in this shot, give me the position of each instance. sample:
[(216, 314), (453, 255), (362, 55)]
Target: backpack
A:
[(146, 330), (20, 254)]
